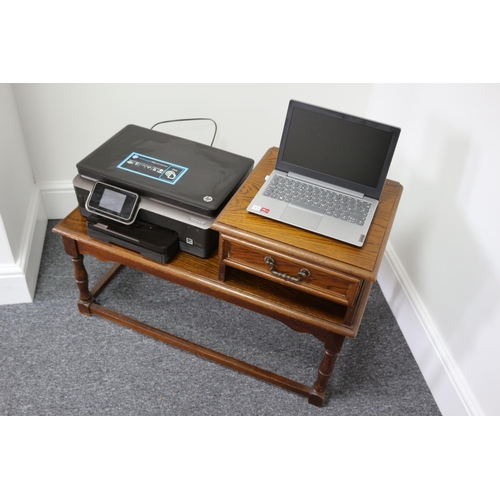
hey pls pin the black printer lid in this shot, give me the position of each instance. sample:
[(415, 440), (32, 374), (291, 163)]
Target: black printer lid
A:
[(178, 171)]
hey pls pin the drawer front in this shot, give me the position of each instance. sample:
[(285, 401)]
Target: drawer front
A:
[(306, 276)]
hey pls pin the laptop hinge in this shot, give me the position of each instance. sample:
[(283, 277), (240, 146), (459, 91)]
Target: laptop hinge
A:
[(326, 185)]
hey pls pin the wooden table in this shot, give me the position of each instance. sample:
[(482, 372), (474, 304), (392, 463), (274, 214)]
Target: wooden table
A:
[(258, 267)]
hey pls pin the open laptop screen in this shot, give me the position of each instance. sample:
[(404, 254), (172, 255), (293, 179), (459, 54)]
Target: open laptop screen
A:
[(334, 147)]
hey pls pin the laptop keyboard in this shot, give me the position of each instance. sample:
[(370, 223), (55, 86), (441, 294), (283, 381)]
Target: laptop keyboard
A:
[(318, 199)]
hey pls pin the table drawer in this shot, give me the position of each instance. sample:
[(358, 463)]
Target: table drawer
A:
[(289, 271)]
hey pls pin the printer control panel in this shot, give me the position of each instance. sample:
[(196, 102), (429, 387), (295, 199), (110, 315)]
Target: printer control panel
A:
[(113, 202)]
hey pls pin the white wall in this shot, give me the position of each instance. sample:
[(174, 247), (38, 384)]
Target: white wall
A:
[(447, 240), (441, 283), (22, 217), (63, 123)]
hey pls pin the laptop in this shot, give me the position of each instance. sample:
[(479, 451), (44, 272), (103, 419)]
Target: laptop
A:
[(329, 174)]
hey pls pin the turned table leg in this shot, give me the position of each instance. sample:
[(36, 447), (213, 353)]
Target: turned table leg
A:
[(81, 276), (332, 351)]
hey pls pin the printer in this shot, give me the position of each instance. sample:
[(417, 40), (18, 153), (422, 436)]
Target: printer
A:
[(153, 192)]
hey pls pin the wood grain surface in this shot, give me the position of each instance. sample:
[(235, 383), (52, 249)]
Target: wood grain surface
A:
[(362, 262)]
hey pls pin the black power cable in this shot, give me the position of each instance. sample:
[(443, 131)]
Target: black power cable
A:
[(189, 120)]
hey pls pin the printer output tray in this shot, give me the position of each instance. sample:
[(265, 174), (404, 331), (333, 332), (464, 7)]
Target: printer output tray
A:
[(152, 242)]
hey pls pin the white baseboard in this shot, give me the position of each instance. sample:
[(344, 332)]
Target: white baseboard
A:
[(450, 391), (58, 198), (14, 288), (18, 281)]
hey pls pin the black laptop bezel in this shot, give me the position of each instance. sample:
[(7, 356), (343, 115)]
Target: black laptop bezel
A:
[(372, 192)]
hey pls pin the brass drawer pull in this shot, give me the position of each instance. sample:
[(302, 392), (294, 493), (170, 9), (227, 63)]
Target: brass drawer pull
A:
[(303, 273)]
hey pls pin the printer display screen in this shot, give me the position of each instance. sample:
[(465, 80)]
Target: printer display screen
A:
[(112, 202)]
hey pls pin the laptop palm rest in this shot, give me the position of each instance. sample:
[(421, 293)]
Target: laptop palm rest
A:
[(301, 218)]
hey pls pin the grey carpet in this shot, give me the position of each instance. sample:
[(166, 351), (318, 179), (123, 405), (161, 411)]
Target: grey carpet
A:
[(55, 361)]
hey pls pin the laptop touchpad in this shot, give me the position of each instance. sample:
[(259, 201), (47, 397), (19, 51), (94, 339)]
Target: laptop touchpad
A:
[(302, 218)]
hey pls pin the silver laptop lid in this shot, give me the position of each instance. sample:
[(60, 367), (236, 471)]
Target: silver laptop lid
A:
[(337, 148)]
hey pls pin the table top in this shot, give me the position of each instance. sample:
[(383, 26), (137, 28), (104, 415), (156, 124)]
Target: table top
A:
[(236, 221), (252, 292), (363, 262)]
